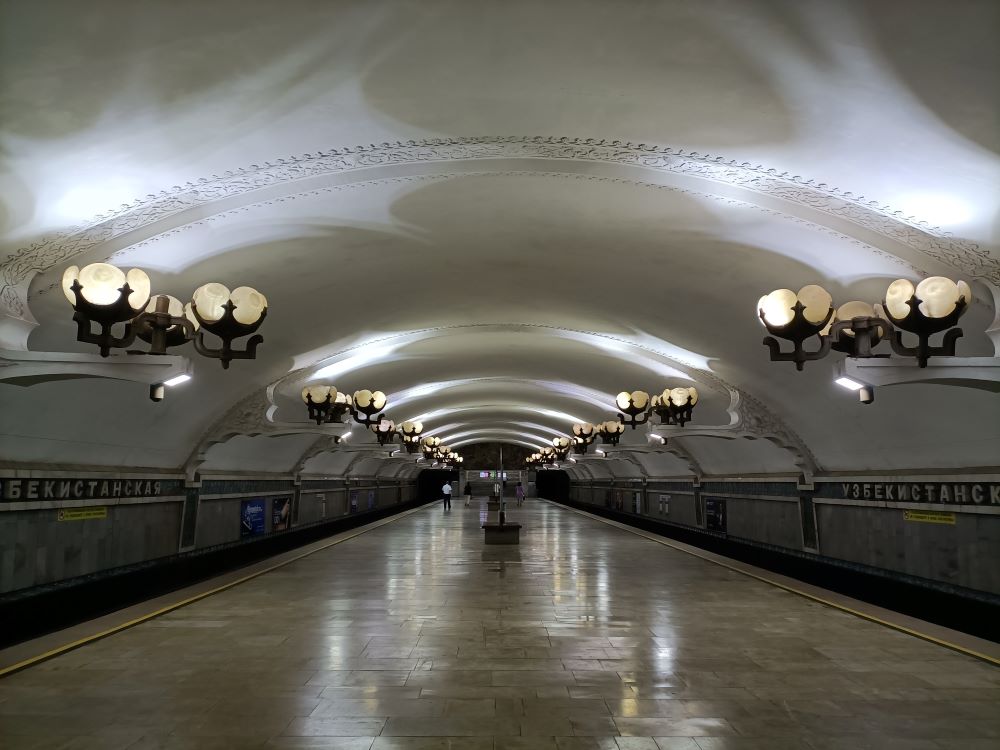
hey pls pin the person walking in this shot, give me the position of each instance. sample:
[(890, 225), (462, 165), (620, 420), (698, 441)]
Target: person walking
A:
[(519, 491), (446, 491), (468, 493)]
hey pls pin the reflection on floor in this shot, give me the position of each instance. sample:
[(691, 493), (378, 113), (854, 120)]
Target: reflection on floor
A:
[(416, 635)]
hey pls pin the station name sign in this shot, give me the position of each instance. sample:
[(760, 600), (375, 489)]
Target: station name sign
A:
[(948, 493), (16, 489)]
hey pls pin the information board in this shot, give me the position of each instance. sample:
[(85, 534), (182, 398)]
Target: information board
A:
[(252, 518), (83, 514)]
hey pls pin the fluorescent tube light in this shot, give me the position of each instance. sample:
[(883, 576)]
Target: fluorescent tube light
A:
[(178, 380), (851, 385)]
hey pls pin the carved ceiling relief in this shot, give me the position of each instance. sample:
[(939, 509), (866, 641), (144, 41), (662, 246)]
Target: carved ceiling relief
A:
[(120, 257), (18, 268)]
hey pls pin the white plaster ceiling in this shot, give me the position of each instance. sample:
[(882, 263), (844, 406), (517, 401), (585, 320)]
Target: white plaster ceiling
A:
[(506, 254)]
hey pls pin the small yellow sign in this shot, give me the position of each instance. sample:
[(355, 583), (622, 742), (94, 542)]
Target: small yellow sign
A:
[(929, 516), (83, 514)]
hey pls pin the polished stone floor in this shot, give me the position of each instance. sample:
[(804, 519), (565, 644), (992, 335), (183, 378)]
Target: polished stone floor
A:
[(416, 636)]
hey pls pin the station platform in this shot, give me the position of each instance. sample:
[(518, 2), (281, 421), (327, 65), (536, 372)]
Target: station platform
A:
[(412, 634)]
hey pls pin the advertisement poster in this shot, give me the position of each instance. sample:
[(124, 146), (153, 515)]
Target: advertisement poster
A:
[(281, 513), (251, 518), (354, 501), (371, 499), (715, 514)]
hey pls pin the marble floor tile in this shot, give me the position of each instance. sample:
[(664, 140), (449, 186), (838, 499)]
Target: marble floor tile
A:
[(432, 743), (334, 727), (667, 727), (464, 726), (435, 642)]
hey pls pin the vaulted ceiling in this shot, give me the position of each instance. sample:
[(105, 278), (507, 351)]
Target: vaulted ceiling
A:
[(499, 213)]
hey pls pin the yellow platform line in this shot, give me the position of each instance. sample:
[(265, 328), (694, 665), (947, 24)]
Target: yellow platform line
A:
[(192, 599), (843, 608)]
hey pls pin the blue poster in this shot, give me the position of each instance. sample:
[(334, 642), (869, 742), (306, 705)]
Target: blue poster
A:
[(251, 518)]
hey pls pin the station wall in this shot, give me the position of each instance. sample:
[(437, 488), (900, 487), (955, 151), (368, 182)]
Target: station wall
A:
[(942, 532), (58, 526)]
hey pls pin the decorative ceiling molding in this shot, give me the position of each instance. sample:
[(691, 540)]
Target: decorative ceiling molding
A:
[(963, 255), (121, 256), (322, 444), (245, 417)]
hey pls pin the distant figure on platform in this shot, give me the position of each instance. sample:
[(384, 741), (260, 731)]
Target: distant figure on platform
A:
[(468, 493), (446, 491), (519, 491)]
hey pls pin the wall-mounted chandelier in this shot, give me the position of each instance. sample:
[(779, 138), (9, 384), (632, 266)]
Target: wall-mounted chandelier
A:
[(325, 403), (855, 328), (385, 431), (634, 407), (430, 446), (583, 435), (409, 433), (610, 432), (675, 405), (366, 407), (103, 295), (561, 446)]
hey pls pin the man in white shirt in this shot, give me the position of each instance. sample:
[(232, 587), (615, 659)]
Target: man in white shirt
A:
[(446, 491)]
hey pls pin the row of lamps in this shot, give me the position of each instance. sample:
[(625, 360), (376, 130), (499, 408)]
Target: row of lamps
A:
[(674, 406), (434, 450), (326, 405)]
